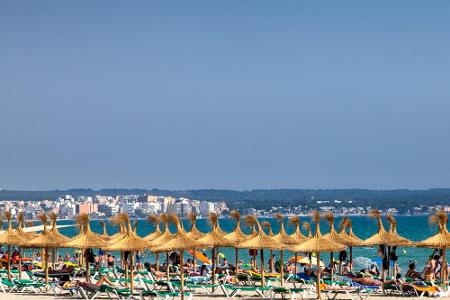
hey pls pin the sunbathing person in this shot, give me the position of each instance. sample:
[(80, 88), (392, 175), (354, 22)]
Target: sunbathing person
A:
[(91, 286), (412, 273)]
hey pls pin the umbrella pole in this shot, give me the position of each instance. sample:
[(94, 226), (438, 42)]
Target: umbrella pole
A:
[(271, 261), (181, 275), (167, 266), (132, 272), (282, 267), (157, 261), (295, 265), (382, 266), (318, 274), (351, 258), (20, 262), (126, 270), (194, 262), (444, 269), (262, 267), (310, 260), (53, 258), (88, 270), (331, 265), (236, 251), (46, 265), (213, 254), (9, 262)]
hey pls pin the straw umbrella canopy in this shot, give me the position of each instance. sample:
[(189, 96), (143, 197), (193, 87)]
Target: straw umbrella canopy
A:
[(87, 239), (395, 238), (334, 236), (180, 241), (129, 242), (162, 238), (382, 237), (317, 244), (118, 220), (20, 226), (10, 237), (56, 235), (215, 238), (155, 220), (297, 235), (283, 238), (260, 241), (54, 232), (194, 233), (105, 234), (441, 240), (266, 224), (236, 236), (351, 239), (44, 240)]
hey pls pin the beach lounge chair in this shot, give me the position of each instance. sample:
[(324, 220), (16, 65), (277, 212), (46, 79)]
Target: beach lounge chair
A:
[(231, 291), (163, 295), (292, 293), (7, 286), (346, 292), (420, 289)]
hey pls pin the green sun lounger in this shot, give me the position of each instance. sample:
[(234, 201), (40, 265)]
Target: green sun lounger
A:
[(162, 295), (231, 291)]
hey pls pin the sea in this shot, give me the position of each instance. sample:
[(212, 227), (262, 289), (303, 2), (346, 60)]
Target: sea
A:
[(415, 228)]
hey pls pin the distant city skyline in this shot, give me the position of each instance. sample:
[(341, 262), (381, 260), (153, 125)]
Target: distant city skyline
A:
[(235, 95)]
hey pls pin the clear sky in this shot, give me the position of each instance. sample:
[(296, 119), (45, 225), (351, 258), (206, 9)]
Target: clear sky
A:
[(224, 94)]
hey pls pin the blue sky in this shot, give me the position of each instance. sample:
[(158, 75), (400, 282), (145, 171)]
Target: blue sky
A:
[(224, 94)]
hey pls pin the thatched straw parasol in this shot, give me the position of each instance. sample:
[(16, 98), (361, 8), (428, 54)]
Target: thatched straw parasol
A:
[(333, 236), (317, 244), (165, 236), (56, 236), (105, 234), (382, 237), (260, 241), (441, 240), (44, 240), (215, 239), (266, 224), (131, 242), (87, 239), (155, 220), (10, 237), (181, 242), (297, 235), (395, 240), (194, 233), (283, 238), (350, 237), (236, 236)]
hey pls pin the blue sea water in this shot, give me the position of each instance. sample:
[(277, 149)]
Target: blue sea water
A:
[(415, 228)]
